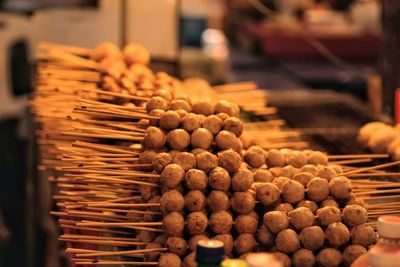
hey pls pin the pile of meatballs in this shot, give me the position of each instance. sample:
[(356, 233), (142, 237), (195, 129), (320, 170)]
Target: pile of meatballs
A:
[(288, 202)]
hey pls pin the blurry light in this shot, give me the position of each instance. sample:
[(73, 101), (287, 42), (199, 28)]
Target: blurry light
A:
[(212, 36)]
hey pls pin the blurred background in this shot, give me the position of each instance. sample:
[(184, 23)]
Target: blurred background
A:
[(315, 51)]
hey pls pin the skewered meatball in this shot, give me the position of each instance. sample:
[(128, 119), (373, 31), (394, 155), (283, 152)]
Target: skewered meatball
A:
[(354, 215), (219, 179), (161, 239), (170, 120), (160, 161), (311, 205), (206, 161), (312, 237), (196, 179), (204, 107), (152, 256), (176, 245), (201, 138), (255, 156), (287, 241), (227, 239), (136, 53), (218, 200), (164, 94), (197, 151), (180, 104), (326, 172), (337, 234), (329, 257), (178, 139), (191, 122), (329, 202), (328, 215), (275, 158), (184, 159), (280, 181), (174, 223), (154, 138), (363, 235), (227, 107), (246, 224), (296, 158), (229, 160), (245, 243), (351, 253), (195, 201), (234, 125), (195, 239), (155, 113), (223, 116), (287, 171), (282, 257), (182, 113), (276, 221), (172, 201), (212, 123), (317, 157), (227, 140), (355, 201), (263, 176), (268, 194), (156, 102), (310, 168), (242, 180), (292, 192), (303, 258), (301, 218), (317, 189), (169, 260), (146, 236), (284, 207), (221, 222), (190, 260), (146, 157), (340, 187), (265, 236), (147, 192), (196, 222), (303, 177), (242, 202), (172, 175)]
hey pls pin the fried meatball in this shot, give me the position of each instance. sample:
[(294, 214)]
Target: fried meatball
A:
[(177, 245), (283, 258), (169, 260), (221, 222), (301, 218), (204, 107), (161, 239), (155, 113), (255, 156), (329, 202), (234, 125), (275, 158), (317, 157), (146, 236), (355, 201), (328, 215), (337, 234), (219, 179), (311, 205), (170, 120), (201, 138), (312, 237), (263, 176), (351, 253), (172, 201), (354, 215), (303, 177), (242, 180), (212, 123), (164, 94), (196, 222), (224, 106), (190, 260), (218, 200), (172, 175), (227, 239), (184, 159), (191, 122), (152, 256), (178, 139), (195, 201), (154, 138), (317, 189), (197, 151), (227, 140), (287, 171), (268, 194), (265, 236), (276, 221), (287, 241), (206, 161), (329, 257), (195, 239), (156, 102), (196, 179), (229, 160), (280, 181), (363, 235), (160, 161), (147, 192), (292, 192), (147, 156), (310, 168), (242, 202), (245, 243), (296, 158), (303, 258), (174, 223), (176, 104), (246, 224), (284, 207), (326, 172), (340, 187)]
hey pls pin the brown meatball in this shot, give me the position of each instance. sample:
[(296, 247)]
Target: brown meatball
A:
[(340, 187), (363, 235), (284, 207), (178, 139), (242, 202), (184, 159), (303, 177), (224, 106), (170, 120), (172, 201), (317, 189), (276, 221), (152, 256), (263, 176), (169, 260), (301, 218), (221, 222), (191, 122), (296, 158), (317, 157), (246, 224), (275, 158), (234, 125), (147, 156), (227, 140), (195, 201), (204, 107), (227, 239), (355, 201), (268, 194), (154, 138), (180, 104), (245, 243), (147, 192), (177, 245), (219, 179), (282, 257), (156, 113), (280, 181), (196, 222), (287, 241), (206, 161), (326, 172), (292, 192), (265, 236), (195, 239), (311, 205), (160, 161), (255, 156), (351, 253), (354, 215), (303, 258), (212, 123), (156, 102), (161, 239), (328, 215), (201, 138), (288, 171), (174, 223), (182, 113), (218, 200), (172, 175), (329, 202), (242, 180), (329, 257), (196, 179), (229, 160), (310, 168), (164, 94), (190, 260), (337, 234), (197, 151), (312, 237)]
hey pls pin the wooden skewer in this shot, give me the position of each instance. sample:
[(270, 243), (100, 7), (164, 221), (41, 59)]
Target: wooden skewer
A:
[(75, 236), (381, 166), (95, 230), (120, 253), (103, 242), (393, 174), (96, 262), (120, 224), (350, 161), (359, 156)]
